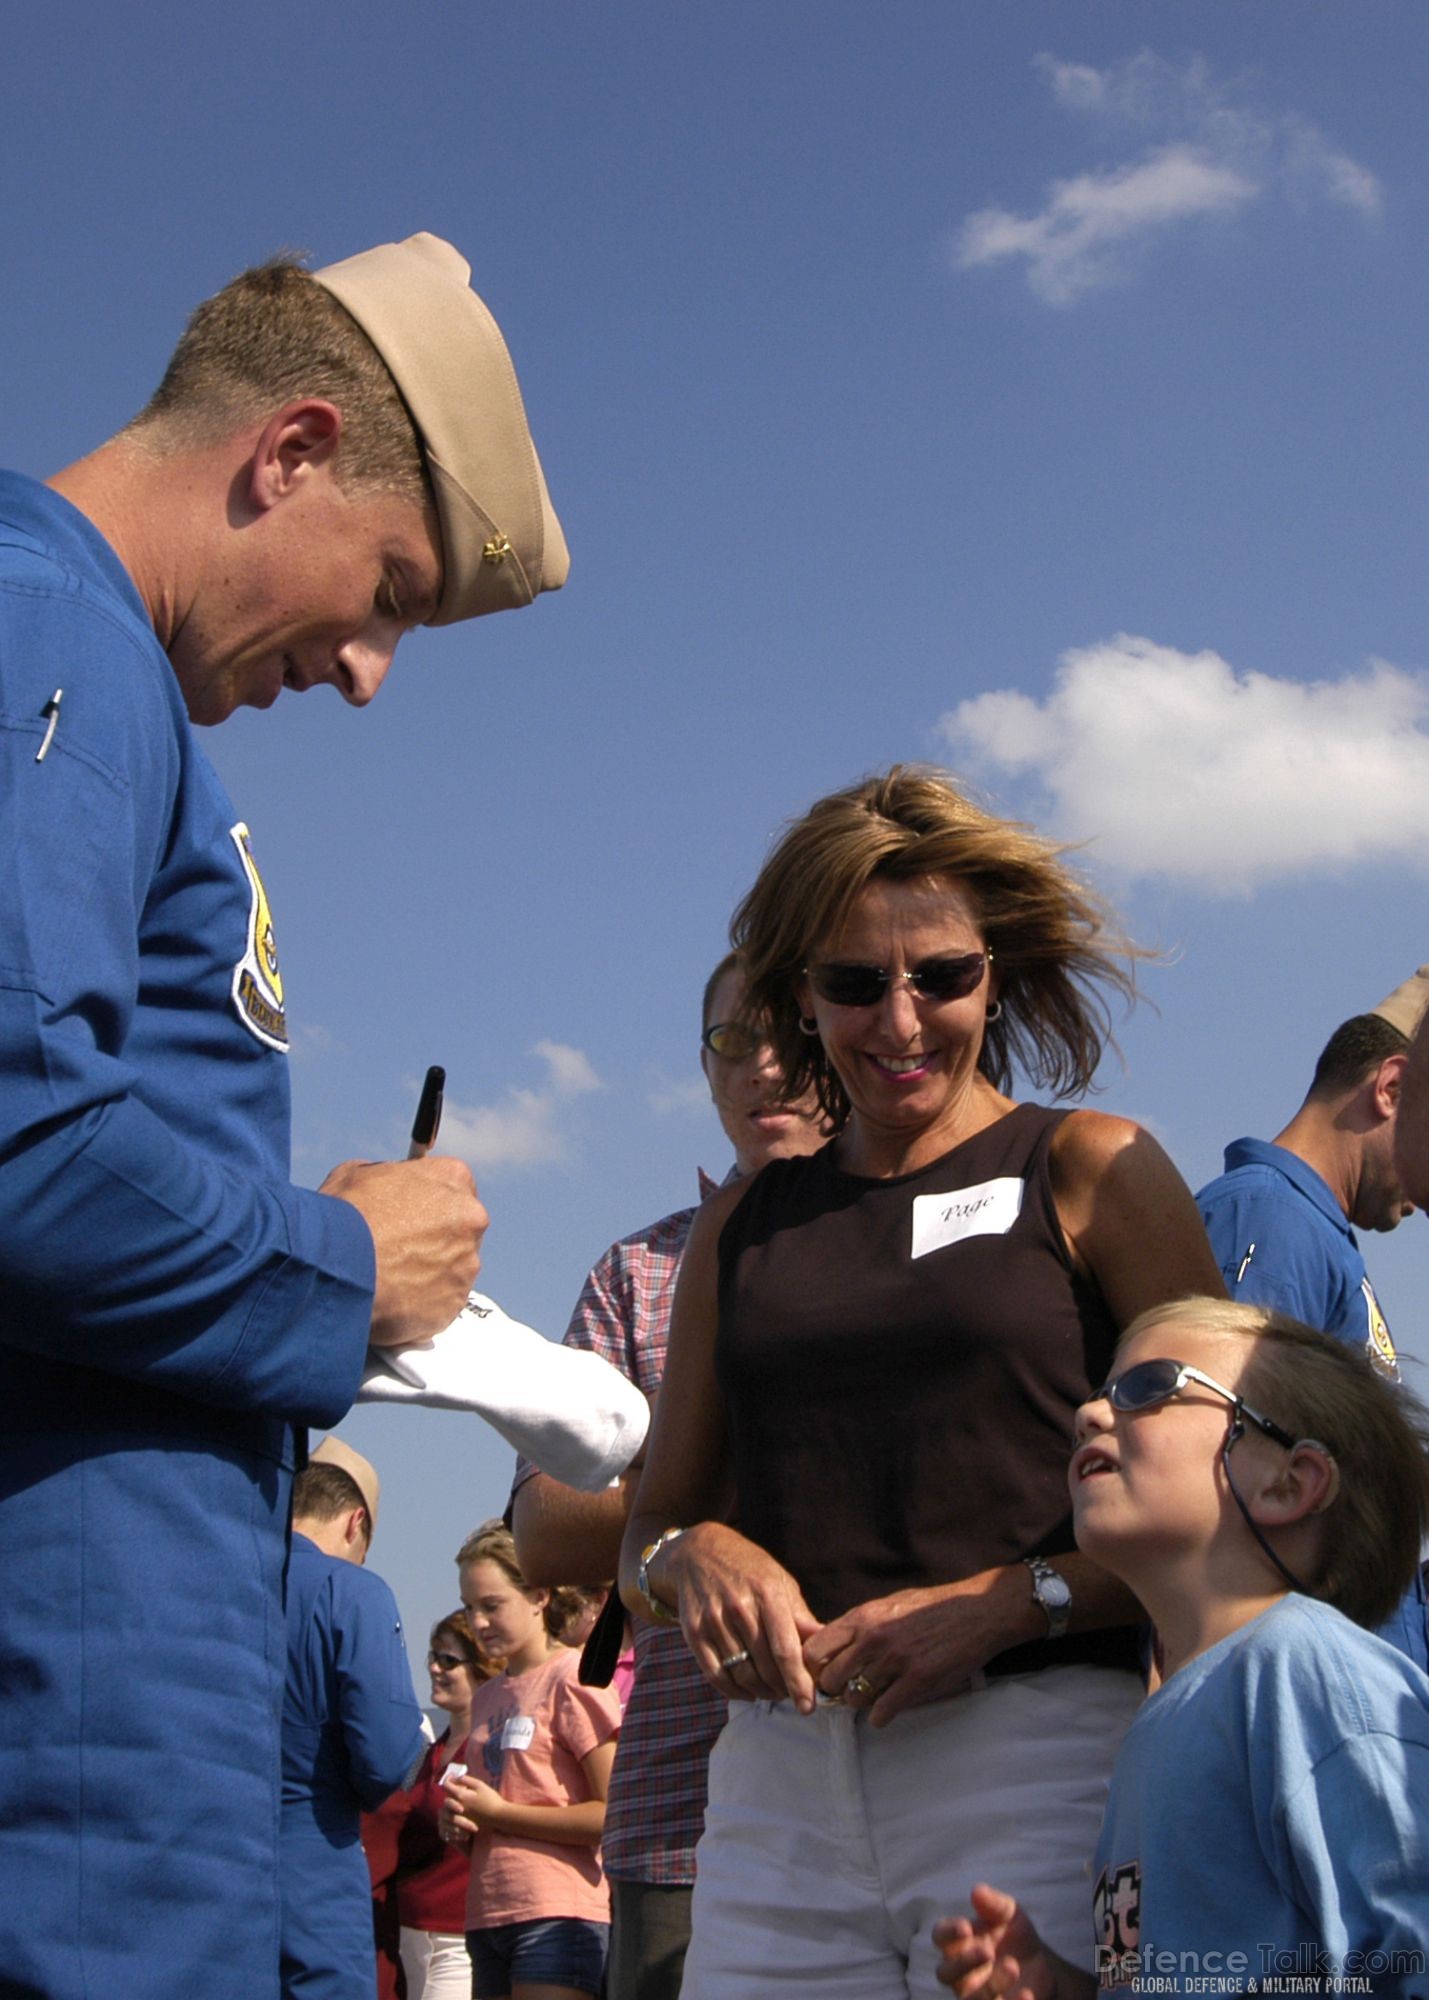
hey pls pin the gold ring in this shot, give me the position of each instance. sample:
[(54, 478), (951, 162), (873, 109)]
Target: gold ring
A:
[(862, 1686)]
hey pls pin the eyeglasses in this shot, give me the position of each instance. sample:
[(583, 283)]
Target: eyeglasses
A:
[(734, 1040), (446, 1661), (933, 979), (1152, 1382)]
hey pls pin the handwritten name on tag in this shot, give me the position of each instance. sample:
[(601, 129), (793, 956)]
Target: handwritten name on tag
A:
[(990, 1209), (518, 1733)]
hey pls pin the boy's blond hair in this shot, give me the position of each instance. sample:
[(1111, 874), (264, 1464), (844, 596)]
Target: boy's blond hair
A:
[(1376, 1430)]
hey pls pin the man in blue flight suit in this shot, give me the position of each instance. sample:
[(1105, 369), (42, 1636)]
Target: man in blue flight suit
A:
[(1282, 1217), (352, 1730), (332, 458)]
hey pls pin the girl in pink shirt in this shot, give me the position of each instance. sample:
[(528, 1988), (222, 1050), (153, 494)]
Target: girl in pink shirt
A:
[(533, 1799)]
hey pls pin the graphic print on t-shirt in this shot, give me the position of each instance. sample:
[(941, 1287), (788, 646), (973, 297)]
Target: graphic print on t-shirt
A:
[(1116, 1921), (509, 1730)]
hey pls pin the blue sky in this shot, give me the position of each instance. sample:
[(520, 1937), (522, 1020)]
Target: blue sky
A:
[(1035, 388)]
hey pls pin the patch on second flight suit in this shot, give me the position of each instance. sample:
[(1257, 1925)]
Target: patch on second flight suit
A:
[(1378, 1342), (257, 982)]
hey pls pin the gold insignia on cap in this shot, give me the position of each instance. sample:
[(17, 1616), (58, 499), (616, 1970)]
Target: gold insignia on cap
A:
[(496, 550)]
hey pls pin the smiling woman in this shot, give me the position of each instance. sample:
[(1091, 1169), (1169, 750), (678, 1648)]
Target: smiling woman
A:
[(883, 1346), (428, 1874)]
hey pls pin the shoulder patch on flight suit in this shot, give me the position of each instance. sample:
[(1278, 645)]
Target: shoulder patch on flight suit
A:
[(1378, 1343), (257, 982)]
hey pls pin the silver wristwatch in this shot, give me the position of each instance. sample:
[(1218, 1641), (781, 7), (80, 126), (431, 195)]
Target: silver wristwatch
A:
[(659, 1611), (1053, 1592)]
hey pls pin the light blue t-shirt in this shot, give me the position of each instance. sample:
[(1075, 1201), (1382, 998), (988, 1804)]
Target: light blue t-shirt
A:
[(1271, 1804)]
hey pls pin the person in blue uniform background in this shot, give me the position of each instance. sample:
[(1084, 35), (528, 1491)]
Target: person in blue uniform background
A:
[(331, 459), (1282, 1217), (352, 1730)]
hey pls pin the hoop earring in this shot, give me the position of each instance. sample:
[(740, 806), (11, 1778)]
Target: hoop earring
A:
[(808, 1026), (993, 1011)]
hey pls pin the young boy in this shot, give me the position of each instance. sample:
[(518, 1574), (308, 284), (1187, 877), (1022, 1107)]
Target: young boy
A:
[(1264, 1492)]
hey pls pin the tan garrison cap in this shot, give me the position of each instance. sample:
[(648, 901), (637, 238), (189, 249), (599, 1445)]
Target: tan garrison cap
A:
[(1404, 1008), (361, 1471), (501, 541)]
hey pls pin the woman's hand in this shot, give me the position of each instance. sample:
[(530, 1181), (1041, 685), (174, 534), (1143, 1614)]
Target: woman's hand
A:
[(920, 1645), (996, 1954), (744, 1616)]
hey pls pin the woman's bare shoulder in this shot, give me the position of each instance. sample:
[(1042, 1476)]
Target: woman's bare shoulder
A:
[(1087, 1143)]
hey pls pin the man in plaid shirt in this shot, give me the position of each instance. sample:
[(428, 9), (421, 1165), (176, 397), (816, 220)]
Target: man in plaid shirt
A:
[(657, 1794)]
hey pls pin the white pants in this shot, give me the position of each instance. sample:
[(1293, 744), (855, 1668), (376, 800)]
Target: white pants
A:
[(831, 1848), (437, 1965)]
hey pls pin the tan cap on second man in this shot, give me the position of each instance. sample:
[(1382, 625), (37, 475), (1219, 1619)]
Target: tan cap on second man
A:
[(501, 541), (1405, 1007), (361, 1471)]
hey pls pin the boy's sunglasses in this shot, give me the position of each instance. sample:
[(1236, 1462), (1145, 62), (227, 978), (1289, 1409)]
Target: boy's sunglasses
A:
[(1151, 1382), (446, 1661), (935, 979), (734, 1040)]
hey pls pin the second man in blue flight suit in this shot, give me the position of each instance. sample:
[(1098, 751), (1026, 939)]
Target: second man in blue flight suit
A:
[(352, 1730)]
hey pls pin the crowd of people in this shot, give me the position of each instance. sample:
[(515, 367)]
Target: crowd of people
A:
[(1024, 1566), (883, 1649)]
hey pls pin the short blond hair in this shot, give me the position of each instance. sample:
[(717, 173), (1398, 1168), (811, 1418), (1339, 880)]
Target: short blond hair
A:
[(1057, 949), (274, 336), (1376, 1430)]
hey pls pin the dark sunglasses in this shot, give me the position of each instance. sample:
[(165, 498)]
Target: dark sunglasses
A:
[(1152, 1382), (734, 1040), (935, 979), (446, 1661)]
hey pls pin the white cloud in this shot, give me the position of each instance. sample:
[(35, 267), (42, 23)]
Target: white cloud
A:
[(1312, 166), (1077, 85), (1145, 89), (571, 1072), (689, 1094), (1215, 153), (1072, 246), (1177, 765), (525, 1128)]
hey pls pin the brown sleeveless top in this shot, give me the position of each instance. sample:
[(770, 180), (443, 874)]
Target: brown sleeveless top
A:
[(900, 1362)]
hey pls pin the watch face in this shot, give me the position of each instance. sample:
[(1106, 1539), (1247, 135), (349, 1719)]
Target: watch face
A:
[(1053, 1588)]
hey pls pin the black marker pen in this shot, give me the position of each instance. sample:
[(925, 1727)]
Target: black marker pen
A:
[(429, 1114)]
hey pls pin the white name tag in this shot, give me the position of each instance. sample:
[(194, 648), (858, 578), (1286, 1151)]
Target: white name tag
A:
[(518, 1733), (987, 1210)]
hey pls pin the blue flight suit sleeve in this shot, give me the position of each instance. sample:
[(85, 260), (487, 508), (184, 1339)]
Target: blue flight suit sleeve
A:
[(381, 1723), (147, 1225)]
